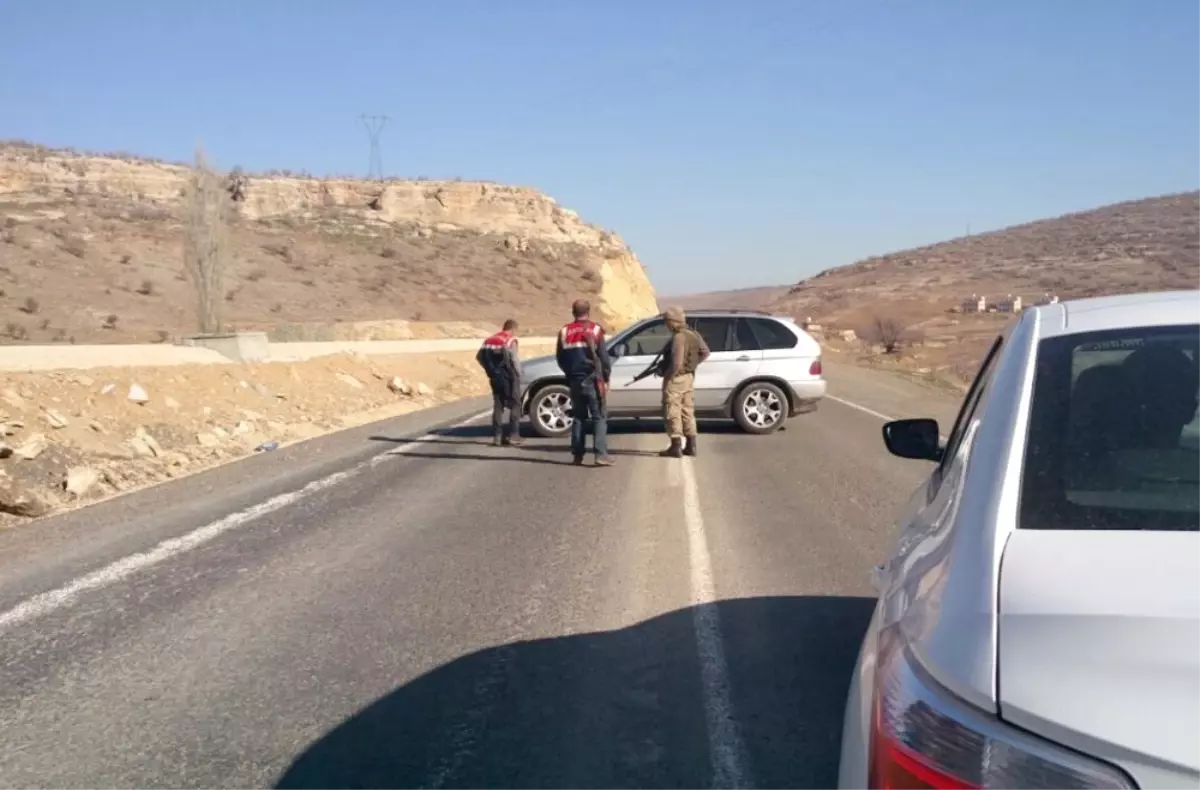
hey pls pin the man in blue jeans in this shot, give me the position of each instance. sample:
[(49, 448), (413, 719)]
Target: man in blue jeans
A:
[(583, 356)]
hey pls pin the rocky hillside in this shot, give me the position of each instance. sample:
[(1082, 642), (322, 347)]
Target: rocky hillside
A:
[(91, 250), (1143, 245), (740, 299)]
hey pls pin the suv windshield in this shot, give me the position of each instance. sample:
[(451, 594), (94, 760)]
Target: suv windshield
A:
[(1113, 432)]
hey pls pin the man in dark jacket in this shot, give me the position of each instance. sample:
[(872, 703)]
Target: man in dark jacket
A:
[(583, 356), (500, 359)]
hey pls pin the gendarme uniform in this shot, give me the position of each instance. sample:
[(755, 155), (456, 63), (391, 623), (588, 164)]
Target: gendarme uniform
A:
[(583, 356), (681, 357), (499, 358)]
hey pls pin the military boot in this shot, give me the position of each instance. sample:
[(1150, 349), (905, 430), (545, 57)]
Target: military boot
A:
[(675, 450), (689, 447)]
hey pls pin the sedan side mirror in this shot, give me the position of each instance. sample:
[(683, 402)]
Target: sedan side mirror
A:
[(617, 351), (918, 439)]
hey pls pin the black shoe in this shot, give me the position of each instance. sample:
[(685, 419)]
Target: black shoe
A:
[(689, 448), (577, 460), (674, 451), (514, 441)]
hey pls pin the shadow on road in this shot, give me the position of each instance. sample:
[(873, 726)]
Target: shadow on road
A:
[(622, 708), (481, 435)]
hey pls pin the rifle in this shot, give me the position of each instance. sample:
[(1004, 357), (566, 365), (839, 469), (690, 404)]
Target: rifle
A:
[(653, 369), (601, 384)]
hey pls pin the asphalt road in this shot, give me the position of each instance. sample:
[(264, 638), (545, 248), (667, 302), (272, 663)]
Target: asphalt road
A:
[(361, 610)]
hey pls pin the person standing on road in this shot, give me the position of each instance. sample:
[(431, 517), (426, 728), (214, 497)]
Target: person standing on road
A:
[(583, 356), (682, 355), (500, 359)]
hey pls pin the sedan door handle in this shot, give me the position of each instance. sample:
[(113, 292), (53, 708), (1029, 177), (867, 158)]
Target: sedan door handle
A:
[(743, 358)]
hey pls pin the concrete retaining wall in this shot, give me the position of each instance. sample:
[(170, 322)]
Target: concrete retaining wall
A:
[(17, 359)]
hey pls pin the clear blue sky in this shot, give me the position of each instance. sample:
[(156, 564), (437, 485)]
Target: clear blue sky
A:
[(732, 144)]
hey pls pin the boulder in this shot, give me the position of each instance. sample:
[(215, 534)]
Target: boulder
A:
[(13, 399), (17, 502), (205, 439), (54, 419), (144, 445), (32, 447), (137, 394), (399, 386), (80, 480)]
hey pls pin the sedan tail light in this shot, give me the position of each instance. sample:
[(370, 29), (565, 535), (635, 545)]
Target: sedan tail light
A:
[(923, 737), (815, 368)]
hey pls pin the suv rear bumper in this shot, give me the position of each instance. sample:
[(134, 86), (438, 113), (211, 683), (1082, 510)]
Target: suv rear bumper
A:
[(806, 395)]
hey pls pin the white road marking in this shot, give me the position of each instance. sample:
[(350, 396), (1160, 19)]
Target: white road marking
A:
[(871, 412), (860, 407), (726, 749), (674, 476), (46, 602)]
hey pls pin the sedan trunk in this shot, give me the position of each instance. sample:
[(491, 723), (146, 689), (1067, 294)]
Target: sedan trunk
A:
[(1099, 646)]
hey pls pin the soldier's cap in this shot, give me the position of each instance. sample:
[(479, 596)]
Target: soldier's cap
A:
[(675, 315)]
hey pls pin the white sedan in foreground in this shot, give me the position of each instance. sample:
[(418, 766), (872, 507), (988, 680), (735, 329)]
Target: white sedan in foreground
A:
[(1038, 622)]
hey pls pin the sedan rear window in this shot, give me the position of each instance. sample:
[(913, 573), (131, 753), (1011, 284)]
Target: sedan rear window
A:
[(1114, 440)]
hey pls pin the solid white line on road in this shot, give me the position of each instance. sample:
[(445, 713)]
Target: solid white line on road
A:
[(871, 412), (47, 602), (726, 750), (860, 407)]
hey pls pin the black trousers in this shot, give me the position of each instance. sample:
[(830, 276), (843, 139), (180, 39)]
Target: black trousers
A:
[(506, 394)]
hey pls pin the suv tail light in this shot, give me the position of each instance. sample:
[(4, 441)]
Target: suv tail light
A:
[(815, 368), (923, 737)]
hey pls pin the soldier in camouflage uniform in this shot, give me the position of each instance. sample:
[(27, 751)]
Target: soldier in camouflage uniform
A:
[(682, 355)]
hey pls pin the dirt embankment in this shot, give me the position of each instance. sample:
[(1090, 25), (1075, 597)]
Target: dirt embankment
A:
[(68, 438)]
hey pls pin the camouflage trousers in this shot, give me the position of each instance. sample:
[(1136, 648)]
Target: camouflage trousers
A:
[(678, 410)]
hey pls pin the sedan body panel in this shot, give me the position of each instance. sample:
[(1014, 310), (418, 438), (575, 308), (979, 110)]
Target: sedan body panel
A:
[(1100, 646)]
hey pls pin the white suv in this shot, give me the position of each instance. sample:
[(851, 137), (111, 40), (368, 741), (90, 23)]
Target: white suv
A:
[(763, 369)]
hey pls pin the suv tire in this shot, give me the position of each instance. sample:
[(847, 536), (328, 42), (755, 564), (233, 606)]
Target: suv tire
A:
[(550, 411), (760, 407)]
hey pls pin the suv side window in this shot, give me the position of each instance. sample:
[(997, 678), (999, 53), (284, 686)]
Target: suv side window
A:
[(716, 332), (744, 338), (648, 341), (771, 334)]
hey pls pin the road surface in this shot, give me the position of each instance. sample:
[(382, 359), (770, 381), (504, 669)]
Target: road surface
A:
[(363, 610)]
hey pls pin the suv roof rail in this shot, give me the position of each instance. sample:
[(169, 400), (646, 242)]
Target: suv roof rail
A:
[(734, 310)]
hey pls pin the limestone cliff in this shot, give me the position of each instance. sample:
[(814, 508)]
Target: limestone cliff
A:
[(452, 250)]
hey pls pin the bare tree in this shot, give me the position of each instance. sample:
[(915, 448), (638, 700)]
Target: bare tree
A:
[(206, 240), (887, 332)]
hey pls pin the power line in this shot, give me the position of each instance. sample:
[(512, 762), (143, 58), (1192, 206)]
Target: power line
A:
[(374, 125)]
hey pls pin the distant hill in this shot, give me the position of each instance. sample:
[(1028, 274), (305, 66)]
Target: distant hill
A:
[(741, 299), (1141, 245)]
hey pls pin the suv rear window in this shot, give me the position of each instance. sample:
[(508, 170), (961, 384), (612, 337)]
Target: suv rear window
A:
[(772, 334), (1114, 441)]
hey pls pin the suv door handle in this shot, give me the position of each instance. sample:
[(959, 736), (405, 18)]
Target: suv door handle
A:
[(743, 358), (877, 577)]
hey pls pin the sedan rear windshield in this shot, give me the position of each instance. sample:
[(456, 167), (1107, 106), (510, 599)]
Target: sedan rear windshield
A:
[(1114, 441)]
